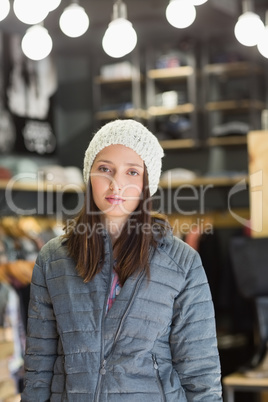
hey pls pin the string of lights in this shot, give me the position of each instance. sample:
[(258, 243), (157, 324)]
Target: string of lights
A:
[(120, 38)]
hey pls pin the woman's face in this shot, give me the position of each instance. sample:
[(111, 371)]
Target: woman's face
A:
[(117, 182)]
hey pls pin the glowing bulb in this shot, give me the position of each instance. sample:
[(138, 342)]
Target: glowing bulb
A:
[(4, 9), (52, 4), (249, 29), (74, 21), (198, 2), (30, 11), (36, 43), (120, 38), (263, 43), (180, 13)]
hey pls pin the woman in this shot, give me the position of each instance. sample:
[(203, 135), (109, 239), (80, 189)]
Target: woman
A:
[(120, 309)]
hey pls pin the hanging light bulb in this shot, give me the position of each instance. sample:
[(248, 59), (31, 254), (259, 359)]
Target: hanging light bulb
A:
[(52, 4), (74, 21), (4, 9), (30, 11), (36, 43), (198, 2), (120, 38), (262, 45), (180, 13), (249, 26)]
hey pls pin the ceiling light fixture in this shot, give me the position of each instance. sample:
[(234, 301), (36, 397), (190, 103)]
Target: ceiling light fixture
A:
[(74, 20), (198, 2), (30, 11), (180, 13), (4, 9), (249, 26), (120, 38), (262, 45), (36, 43), (52, 4)]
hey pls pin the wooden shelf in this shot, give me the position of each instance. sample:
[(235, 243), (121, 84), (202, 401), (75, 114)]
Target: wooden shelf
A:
[(101, 80), (40, 186), (198, 181), (175, 144), (237, 379), (243, 104), (235, 68), (210, 142), (170, 73), (119, 80), (217, 219), (228, 140), (116, 114), (69, 188), (163, 111)]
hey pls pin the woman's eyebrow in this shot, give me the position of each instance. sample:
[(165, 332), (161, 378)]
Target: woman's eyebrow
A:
[(127, 163), (104, 161), (133, 164)]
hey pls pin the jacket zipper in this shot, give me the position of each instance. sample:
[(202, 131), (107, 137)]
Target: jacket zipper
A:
[(102, 370), (104, 361), (156, 368)]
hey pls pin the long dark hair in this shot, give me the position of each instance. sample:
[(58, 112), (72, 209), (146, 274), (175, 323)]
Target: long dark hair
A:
[(132, 246)]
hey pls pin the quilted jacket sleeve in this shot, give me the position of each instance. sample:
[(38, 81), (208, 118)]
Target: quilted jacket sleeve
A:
[(41, 341), (193, 338)]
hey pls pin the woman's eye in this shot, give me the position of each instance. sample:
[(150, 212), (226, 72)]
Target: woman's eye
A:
[(133, 173), (104, 169)]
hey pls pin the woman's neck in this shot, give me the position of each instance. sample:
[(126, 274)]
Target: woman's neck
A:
[(114, 228)]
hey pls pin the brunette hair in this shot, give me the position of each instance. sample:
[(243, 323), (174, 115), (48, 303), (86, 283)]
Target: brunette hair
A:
[(133, 244)]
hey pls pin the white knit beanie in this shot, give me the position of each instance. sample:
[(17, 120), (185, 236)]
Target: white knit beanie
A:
[(133, 135)]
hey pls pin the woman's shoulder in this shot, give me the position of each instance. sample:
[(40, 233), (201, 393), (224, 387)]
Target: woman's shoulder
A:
[(177, 252), (54, 249)]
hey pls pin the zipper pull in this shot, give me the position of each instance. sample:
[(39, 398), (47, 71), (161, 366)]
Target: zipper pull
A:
[(155, 362), (103, 370)]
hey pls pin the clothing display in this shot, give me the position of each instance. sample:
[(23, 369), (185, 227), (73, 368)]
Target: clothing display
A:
[(10, 318), (21, 238)]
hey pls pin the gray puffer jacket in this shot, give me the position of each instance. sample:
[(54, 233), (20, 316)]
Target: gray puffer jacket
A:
[(157, 342)]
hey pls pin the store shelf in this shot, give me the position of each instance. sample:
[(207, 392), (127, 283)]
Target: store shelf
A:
[(235, 68), (12, 185), (243, 104), (210, 142), (108, 81), (216, 219), (227, 141), (170, 73), (175, 144), (117, 114), (187, 108), (214, 181)]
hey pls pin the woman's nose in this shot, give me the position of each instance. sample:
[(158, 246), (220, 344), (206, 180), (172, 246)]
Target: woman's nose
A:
[(114, 184)]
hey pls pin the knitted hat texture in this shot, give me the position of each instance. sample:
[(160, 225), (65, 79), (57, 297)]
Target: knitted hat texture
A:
[(131, 134)]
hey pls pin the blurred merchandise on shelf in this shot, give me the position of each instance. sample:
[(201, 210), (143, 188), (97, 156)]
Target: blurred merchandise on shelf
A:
[(179, 174), (120, 107), (170, 99), (123, 69), (174, 127), (170, 60), (231, 128), (56, 174)]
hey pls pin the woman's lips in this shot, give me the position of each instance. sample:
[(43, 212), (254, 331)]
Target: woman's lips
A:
[(115, 200)]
